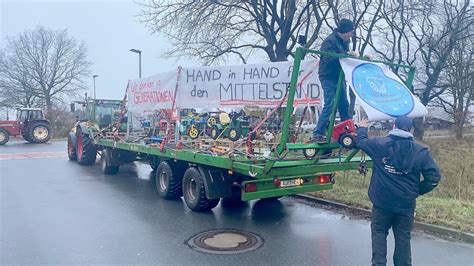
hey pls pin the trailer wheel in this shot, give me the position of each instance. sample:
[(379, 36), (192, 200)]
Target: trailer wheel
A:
[(194, 192), (169, 180), (4, 136), (38, 132), (105, 163), (85, 149), (71, 149), (347, 141)]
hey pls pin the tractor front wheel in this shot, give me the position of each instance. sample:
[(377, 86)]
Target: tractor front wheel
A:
[(4, 136), (85, 150), (71, 149), (38, 132)]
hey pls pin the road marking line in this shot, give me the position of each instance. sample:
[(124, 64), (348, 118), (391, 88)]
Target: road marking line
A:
[(32, 155)]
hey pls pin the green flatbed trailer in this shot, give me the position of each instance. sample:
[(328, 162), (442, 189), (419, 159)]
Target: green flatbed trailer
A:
[(203, 178)]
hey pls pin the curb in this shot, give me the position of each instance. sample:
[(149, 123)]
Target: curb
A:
[(437, 230)]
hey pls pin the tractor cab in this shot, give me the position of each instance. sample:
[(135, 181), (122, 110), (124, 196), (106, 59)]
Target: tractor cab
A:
[(96, 111), (25, 115)]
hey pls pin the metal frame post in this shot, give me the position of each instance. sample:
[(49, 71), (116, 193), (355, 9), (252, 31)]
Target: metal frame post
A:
[(289, 103)]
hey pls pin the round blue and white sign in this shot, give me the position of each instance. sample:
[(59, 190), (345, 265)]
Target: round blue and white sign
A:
[(381, 92)]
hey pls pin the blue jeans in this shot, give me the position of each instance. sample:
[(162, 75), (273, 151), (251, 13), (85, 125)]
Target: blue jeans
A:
[(329, 89)]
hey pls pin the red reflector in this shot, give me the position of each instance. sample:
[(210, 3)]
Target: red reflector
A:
[(324, 179), (276, 182), (250, 187)]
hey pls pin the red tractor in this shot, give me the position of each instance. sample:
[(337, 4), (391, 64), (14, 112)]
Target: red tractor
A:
[(30, 123)]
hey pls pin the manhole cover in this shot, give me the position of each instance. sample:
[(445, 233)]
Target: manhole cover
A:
[(225, 241)]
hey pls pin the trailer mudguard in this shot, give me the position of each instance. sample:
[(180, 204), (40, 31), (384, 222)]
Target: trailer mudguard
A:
[(217, 182)]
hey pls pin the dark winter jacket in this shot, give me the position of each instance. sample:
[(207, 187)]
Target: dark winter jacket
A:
[(397, 164), (329, 66)]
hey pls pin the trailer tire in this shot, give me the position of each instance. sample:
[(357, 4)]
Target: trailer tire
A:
[(169, 180), (85, 150), (71, 149), (106, 163), (194, 192), (4, 136)]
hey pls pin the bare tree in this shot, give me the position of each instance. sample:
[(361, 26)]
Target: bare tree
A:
[(42, 66), (436, 34), (214, 30), (456, 100), (392, 37)]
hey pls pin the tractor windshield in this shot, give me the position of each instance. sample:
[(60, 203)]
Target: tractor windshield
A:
[(105, 112)]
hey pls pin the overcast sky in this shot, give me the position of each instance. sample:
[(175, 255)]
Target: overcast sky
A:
[(109, 29)]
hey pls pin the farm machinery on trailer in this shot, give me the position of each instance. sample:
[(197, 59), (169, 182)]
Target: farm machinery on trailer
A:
[(30, 123), (203, 168)]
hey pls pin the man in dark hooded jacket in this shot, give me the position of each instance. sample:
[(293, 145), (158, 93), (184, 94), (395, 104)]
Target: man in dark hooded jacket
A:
[(398, 163), (329, 69)]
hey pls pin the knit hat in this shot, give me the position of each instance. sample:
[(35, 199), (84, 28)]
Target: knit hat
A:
[(345, 25), (404, 123)]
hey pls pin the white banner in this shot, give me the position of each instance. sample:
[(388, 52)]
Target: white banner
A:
[(381, 93), (255, 84), (152, 93)]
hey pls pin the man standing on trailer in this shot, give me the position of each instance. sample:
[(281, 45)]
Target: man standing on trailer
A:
[(329, 68), (395, 184)]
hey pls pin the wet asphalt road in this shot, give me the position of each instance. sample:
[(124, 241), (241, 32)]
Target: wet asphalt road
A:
[(56, 212)]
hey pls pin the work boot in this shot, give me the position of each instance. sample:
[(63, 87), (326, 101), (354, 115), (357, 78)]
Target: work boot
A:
[(319, 139)]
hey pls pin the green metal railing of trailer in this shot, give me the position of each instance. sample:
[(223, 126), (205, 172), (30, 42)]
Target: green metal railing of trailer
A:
[(283, 163)]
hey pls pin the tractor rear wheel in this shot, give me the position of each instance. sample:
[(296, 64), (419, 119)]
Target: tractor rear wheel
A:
[(71, 149), (347, 141), (234, 134), (169, 178), (38, 132), (4, 136), (85, 150), (194, 192), (215, 132)]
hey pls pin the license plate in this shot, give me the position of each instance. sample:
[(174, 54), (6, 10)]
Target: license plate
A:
[(290, 183)]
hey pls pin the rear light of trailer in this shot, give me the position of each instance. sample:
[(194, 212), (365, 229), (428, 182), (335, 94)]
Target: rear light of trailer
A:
[(277, 182), (323, 179), (250, 187)]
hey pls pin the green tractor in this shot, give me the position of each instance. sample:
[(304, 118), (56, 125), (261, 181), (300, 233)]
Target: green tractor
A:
[(232, 126), (93, 116)]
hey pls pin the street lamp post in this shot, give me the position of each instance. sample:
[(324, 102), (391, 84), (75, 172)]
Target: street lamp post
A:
[(139, 52), (94, 76)]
